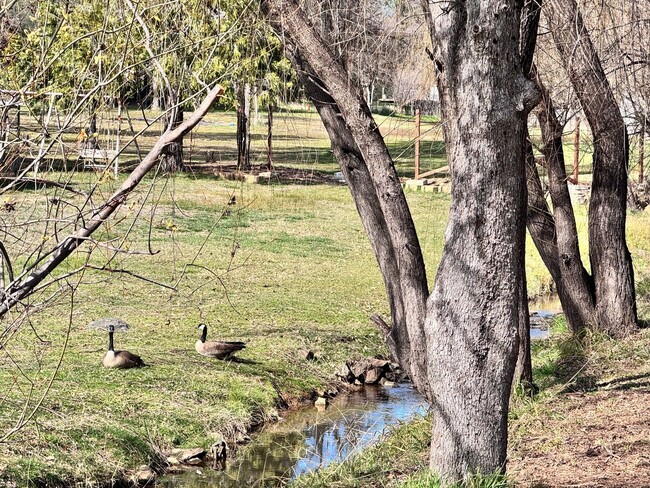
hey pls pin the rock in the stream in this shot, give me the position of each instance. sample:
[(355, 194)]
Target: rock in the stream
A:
[(370, 371), (373, 376), (187, 456), (380, 363), (395, 373), (144, 475), (359, 368), (321, 403)]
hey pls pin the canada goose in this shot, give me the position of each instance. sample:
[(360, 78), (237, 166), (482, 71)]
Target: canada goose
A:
[(216, 349), (119, 359)]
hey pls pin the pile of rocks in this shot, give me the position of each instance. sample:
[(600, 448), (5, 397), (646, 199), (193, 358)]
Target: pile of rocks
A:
[(370, 371)]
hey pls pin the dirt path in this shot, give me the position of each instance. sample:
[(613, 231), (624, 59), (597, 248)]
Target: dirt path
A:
[(587, 440)]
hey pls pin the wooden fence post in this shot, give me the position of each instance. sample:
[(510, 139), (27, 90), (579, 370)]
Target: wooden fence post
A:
[(576, 152), (269, 140)]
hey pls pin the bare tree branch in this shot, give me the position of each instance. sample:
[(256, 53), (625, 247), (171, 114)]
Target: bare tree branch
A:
[(24, 285)]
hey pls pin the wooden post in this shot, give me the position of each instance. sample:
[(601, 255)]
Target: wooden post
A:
[(576, 152), (417, 143), (269, 140), (641, 149)]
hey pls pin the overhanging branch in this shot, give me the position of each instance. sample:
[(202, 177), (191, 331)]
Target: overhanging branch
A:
[(25, 284)]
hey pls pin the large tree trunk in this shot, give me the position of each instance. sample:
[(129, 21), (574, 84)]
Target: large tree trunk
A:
[(473, 312), (610, 259), (171, 159), (244, 127)]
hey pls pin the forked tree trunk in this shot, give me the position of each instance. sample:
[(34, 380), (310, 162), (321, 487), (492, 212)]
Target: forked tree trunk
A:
[(473, 313), (171, 159), (611, 263), (465, 361)]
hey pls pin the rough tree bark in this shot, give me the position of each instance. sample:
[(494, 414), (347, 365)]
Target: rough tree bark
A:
[(611, 263), (473, 312), (462, 349)]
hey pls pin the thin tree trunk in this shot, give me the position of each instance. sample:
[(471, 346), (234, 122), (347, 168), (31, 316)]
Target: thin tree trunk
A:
[(269, 140), (523, 377), (92, 137), (610, 259), (642, 149), (244, 127), (372, 179), (256, 105), (156, 91), (528, 40), (171, 159), (473, 313), (575, 286)]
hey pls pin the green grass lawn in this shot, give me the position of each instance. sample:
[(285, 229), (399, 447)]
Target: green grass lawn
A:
[(289, 267)]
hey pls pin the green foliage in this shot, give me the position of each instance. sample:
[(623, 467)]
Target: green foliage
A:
[(70, 48)]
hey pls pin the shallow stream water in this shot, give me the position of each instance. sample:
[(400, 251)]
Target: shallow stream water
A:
[(307, 439)]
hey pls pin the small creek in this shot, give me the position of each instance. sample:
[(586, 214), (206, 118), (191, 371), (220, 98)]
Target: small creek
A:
[(307, 439), (542, 313)]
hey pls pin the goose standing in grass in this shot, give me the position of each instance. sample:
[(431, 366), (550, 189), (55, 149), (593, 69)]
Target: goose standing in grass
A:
[(119, 359), (216, 349)]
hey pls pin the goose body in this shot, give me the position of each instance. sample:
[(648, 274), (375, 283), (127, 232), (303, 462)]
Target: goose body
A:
[(216, 349), (120, 359)]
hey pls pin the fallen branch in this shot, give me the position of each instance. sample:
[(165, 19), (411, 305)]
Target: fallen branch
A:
[(25, 284)]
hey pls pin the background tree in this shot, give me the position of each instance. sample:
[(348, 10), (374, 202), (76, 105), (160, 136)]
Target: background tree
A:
[(605, 299)]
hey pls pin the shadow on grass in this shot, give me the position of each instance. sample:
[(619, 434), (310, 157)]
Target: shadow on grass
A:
[(627, 382), (566, 364)]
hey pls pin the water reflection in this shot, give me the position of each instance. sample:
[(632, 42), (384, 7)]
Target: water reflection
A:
[(540, 323), (308, 440)]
